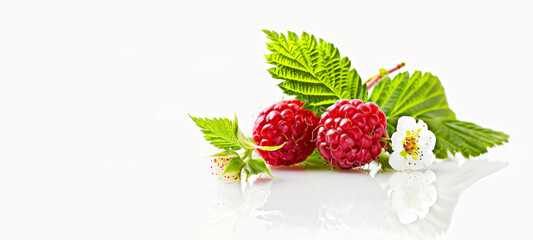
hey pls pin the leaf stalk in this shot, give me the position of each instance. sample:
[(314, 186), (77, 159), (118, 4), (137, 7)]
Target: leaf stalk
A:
[(377, 77)]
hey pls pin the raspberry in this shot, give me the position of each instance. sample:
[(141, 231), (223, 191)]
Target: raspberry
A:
[(350, 132), (286, 122)]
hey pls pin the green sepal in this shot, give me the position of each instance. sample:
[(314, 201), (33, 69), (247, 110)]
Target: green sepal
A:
[(383, 158), (315, 161), (250, 144), (225, 153), (235, 165), (257, 166), (247, 171), (273, 148), (244, 141)]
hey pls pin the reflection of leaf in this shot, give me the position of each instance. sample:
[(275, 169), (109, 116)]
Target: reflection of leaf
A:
[(343, 204), (236, 204)]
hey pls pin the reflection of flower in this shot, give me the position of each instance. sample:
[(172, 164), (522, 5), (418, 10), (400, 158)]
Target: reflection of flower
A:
[(412, 194), (412, 144), (217, 168)]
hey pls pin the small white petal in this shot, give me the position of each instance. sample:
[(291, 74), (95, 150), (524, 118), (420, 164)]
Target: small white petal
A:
[(397, 162), (217, 168), (427, 140), (421, 125), (406, 123), (413, 164), (397, 139), (428, 158)]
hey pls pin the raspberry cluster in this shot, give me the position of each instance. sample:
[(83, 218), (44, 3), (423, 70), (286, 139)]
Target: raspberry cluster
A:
[(350, 132), (286, 122)]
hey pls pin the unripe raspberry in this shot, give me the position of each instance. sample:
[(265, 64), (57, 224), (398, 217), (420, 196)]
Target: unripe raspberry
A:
[(350, 132), (286, 122)]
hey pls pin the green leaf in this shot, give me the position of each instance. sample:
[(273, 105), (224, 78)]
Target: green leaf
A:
[(416, 96), (312, 71), (220, 132), (257, 166), (235, 165), (422, 97), (467, 138), (226, 153)]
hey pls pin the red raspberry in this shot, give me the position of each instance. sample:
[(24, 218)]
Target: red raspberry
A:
[(286, 122), (350, 132)]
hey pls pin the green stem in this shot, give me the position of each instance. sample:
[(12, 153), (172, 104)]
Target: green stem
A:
[(247, 155)]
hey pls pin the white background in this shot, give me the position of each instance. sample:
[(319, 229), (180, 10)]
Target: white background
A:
[(95, 141)]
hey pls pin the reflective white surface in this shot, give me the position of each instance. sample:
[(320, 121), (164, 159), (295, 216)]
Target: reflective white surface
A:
[(306, 204)]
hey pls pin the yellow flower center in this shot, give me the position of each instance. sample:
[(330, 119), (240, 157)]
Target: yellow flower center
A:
[(410, 144)]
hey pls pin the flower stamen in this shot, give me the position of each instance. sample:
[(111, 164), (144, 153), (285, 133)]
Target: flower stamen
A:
[(410, 144)]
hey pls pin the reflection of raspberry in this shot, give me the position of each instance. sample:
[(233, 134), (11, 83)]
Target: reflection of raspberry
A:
[(286, 122), (350, 132)]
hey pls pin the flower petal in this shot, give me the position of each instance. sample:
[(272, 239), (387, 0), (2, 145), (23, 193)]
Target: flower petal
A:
[(397, 162), (428, 157), (421, 125), (406, 123), (397, 139), (413, 164), (427, 140)]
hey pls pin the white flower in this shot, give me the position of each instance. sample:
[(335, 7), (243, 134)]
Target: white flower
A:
[(412, 145), (412, 194), (217, 168)]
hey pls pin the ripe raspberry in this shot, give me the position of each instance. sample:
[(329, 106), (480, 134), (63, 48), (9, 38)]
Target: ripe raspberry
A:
[(350, 132), (286, 122)]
